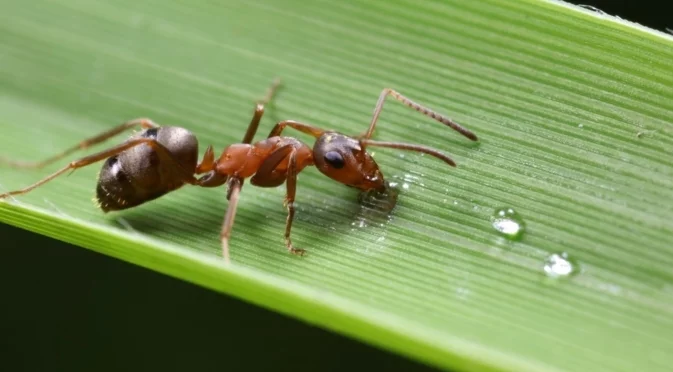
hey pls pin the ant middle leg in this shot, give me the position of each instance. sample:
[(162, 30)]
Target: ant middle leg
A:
[(422, 109), (142, 122), (263, 177), (235, 183), (259, 111), (228, 223), (252, 130), (88, 160)]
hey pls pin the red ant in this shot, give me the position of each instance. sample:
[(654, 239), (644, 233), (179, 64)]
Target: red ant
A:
[(159, 160)]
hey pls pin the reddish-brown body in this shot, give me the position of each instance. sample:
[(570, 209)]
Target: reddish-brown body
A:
[(162, 159), (245, 160)]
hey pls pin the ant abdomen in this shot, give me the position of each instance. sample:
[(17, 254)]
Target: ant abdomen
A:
[(141, 174)]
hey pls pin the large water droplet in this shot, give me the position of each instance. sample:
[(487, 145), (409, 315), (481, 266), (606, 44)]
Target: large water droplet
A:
[(508, 223), (559, 265)]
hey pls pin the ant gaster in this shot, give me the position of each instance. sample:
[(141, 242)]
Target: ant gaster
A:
[(161, 159)]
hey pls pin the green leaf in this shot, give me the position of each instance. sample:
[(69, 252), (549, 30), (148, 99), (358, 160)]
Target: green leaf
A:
[(572, 110)]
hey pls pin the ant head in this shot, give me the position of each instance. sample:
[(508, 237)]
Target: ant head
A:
[(140, 174), (344, 159)]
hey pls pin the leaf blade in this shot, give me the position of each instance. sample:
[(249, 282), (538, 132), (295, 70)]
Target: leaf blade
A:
[(521, 84)]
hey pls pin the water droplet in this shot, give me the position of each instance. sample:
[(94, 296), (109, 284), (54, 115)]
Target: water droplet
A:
[(361, 222), (557, 265), (455, 202), (405, 186), (580, 126), (509, 223)]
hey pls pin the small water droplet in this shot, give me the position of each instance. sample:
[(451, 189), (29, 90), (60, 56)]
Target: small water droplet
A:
[(509, 223), (580, 126), (557, 265), (361, 222), (455, 202), (405, 186), (401, 156)]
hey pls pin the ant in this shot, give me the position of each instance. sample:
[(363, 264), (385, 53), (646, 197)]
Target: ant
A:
[(161, 159)]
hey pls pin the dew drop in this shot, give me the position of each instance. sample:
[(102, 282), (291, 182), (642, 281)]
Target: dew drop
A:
[(559, 265), (580, 126), (509, 223)]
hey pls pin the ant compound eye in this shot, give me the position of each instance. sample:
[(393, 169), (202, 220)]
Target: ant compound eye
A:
[(334, 159)]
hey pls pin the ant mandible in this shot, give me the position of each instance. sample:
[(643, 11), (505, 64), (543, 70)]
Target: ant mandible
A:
[(161, 159)]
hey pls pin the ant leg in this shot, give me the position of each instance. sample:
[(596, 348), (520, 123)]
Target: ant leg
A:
[(289, 202), (265, 177), (259, 111), (87, 160), (235, 184), (422, 109), (228, 223), (252, 130), (302, 127), (142, 122)]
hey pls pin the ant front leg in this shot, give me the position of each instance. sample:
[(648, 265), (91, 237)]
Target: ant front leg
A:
[(88, 160), (143, 123), (291, 185)]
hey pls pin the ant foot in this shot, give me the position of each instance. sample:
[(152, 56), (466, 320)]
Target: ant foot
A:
[(296, 251)]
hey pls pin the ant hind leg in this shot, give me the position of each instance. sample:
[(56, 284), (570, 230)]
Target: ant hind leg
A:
[(88, 160), (102, 137)]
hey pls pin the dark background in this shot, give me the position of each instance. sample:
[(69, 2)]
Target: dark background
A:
[(651, 13), (65, 308)]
